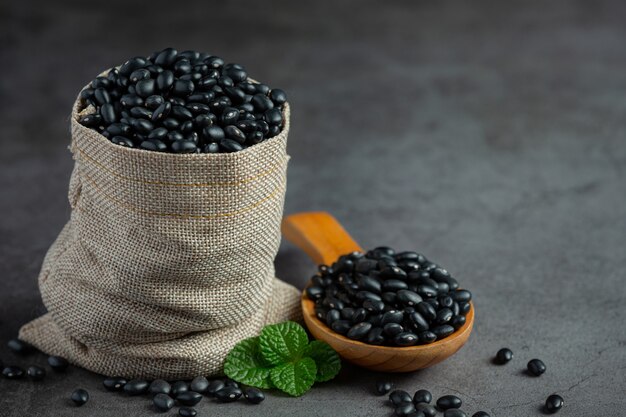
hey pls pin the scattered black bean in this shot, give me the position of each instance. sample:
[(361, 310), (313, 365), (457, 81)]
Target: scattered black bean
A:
[(136, 387), (168, 89), (397, 294), (114, 383), (399, 396), (163, 402), (199, 384), (187, 412), (179, 387), (80, 397), (405, 409), (228, 394), (36, 373), (13, 372), (504, 355), (554, 403), (427, 409), (190, 398), (536, 367), (254, 395), (58, 363), (449, 401), (383, 387), (214, 386), (422, 396), (481, 414), (454, 412), (159, 386), (19, 347)]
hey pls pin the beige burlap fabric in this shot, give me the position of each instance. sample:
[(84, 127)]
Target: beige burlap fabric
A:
[(167, 260)]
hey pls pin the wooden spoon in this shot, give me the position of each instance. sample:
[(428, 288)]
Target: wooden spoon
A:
[(321, 237)]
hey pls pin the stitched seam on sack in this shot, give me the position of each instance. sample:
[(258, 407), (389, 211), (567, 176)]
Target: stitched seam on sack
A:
[(177, 184), (185, 215)]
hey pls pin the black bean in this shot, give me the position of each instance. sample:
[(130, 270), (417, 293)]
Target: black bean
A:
[(187, 412), (91, 120), (332, 315), (454, 412), (213, 133), (138, 75), (393, 329), (207, 82), (262, 89), (102, 96), (360, 314), (131, 65), (418, 322), (449, 401), (108, 113), (456, 310), (408, 298), (187, 126), (426, 310), (389, 298), (254, 395), (446, 301), (212, 147), (461, 296), (232, 132), (58, 363), (536, 367), (117, 129), (183, 88), (174, 136), (375, 336), (394, 285), (392, 316), (314, 293), (427, 409), (443, 316), (80, 397), (160, 386), (359, 330), (229, 145), (427, 337), (480, 414), (442, 331), (457, 322), (383, 387), (422, 396), (393, 272), (181, 113), (464, 308), (228, 394), (373, 306), (179, 387), (503, 356), (399, 396), (114, 383), (20, 347), (184, 146), (166, 57), (189, 398), (140, 112), (426, 291), (13, 372), (261, 102), (405, 339), (163, 402), (278, 96), (341, 326), (274, 116), (36, 373), (367, 295), (131, 100), (183, 67), (235, 94), (145, 88), (554, 403), (405, 409), (136, 387)]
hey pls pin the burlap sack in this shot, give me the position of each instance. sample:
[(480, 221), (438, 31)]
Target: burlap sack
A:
[(167, 260)]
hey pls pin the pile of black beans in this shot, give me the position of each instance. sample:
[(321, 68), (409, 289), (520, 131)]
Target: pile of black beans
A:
[(164, 395), (388, 298), (183, 102)]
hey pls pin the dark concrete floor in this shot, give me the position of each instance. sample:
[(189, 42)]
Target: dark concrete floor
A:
[(489, 135)]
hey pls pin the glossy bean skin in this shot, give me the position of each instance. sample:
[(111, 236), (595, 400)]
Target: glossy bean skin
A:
[(163, 402), (383, 387), (503, 356), (254, 395), (422, 396), (536, 367), (80, 397), (449, 401), (398, 397), (554, 403)]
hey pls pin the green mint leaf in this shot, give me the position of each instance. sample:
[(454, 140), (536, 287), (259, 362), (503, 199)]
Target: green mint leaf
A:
[(326, 359), (295, 378), (283, 342), (245, 364)]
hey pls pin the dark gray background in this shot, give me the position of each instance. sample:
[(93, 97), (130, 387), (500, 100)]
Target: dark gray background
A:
[(489, 135)]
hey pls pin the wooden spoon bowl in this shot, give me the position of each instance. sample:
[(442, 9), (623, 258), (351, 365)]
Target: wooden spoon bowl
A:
[(324, 240)]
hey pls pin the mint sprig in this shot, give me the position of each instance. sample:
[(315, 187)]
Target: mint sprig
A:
[(282, 357)]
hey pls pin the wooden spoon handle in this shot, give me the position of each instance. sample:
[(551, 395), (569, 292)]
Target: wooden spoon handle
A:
[(319, 235)]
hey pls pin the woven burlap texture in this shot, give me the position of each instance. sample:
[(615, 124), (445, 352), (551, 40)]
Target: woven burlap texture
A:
[(167, 260)]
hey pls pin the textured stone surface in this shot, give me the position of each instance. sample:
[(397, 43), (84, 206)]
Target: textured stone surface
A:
[(490, 136)]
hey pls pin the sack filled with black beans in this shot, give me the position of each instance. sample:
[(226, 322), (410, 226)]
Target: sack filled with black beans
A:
[(167, 260)]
